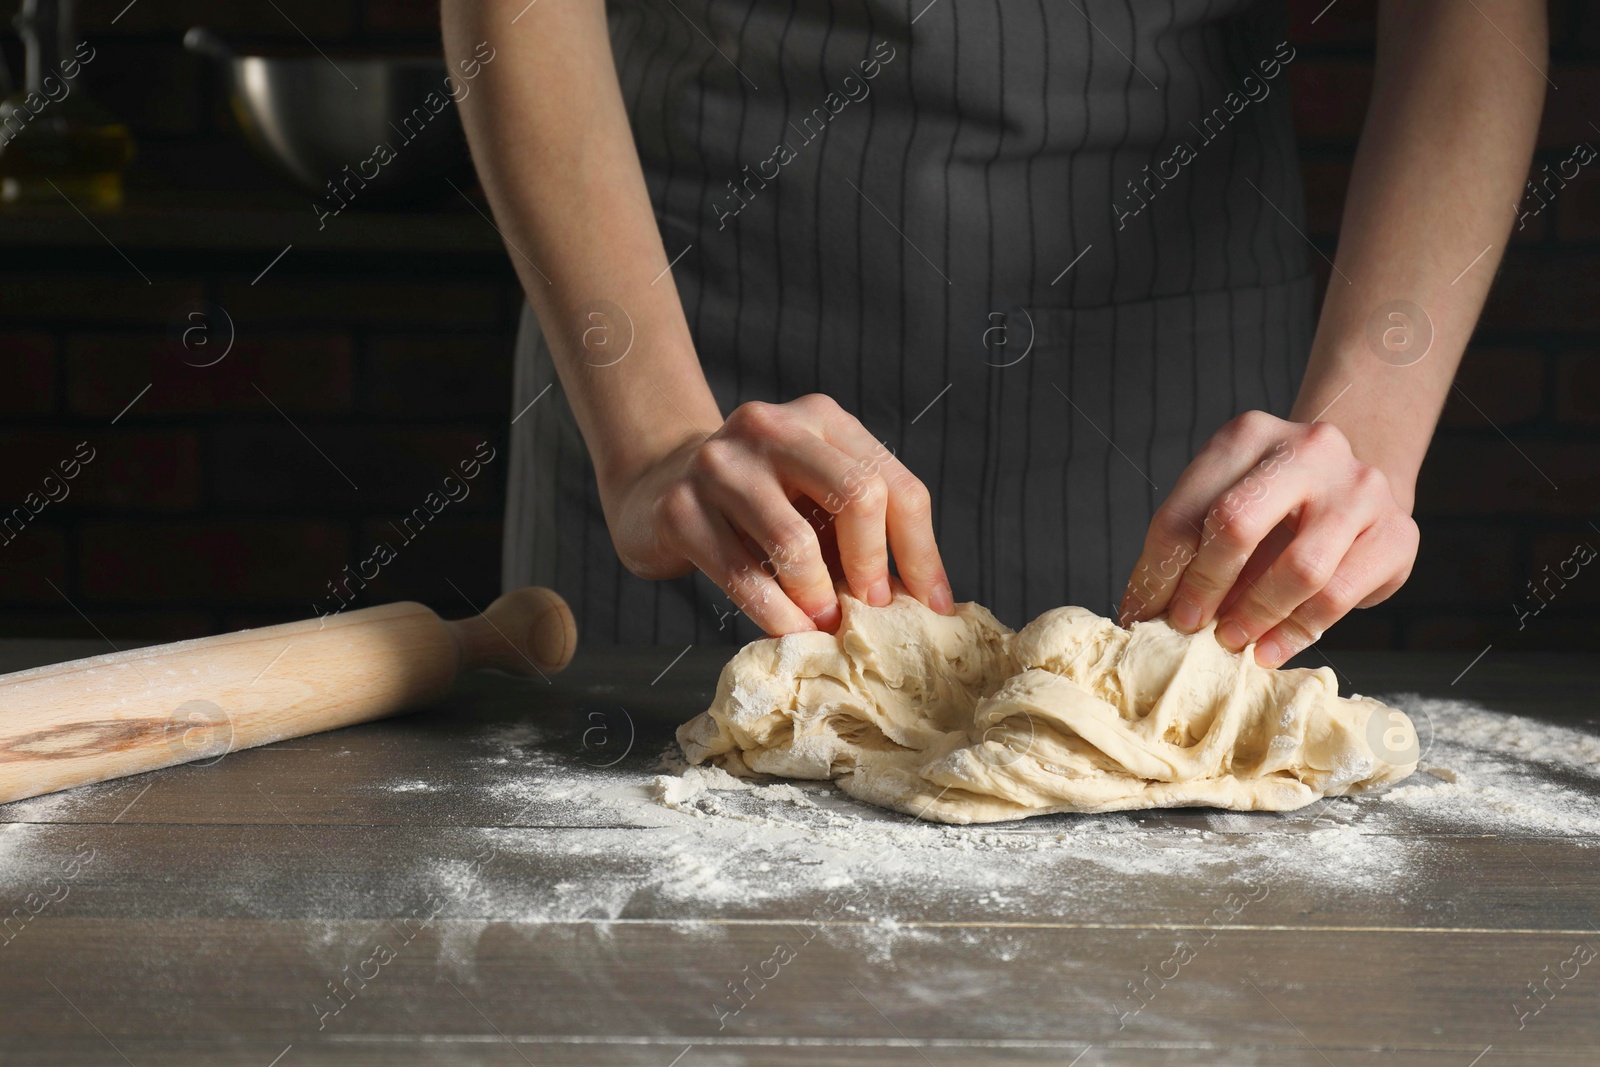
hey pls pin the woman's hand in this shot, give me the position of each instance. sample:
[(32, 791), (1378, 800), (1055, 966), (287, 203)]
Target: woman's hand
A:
[(761, 504), (1276, 530)]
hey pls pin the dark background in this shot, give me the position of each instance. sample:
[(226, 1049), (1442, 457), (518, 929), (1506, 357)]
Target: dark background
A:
[(386, 341)]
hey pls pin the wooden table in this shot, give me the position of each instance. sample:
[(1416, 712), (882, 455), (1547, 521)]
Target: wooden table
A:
[(209, 908)]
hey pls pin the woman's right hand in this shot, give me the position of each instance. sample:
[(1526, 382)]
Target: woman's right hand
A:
[(730, 504)]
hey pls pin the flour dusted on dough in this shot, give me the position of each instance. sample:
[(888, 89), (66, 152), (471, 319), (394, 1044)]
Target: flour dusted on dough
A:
[(957, 718)]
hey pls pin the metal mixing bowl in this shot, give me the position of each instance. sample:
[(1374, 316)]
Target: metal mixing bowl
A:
[(312, 117)]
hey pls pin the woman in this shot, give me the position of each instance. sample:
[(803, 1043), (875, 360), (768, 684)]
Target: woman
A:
[(1015, 291)]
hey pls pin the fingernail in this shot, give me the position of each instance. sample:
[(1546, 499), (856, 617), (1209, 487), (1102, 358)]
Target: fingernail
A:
[(1232, 636), (941, 600), (1283, 650), (1269, 653), (828, 618), (1184, 615), (879, 594)]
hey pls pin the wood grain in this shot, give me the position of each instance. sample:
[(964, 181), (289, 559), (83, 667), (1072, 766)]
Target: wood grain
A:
[(121, 713), (220, 902)]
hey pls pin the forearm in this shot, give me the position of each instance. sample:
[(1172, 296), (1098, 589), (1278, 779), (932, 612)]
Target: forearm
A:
[(1442, 160), (550, 137)]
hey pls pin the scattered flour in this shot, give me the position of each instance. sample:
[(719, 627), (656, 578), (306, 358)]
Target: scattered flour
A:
[(24, 862), (1470, 728), (1489, 773), (626, 842)]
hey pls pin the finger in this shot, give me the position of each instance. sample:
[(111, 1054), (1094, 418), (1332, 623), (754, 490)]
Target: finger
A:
[(1303, 567), (911, 539), (710, 543), (861, 529), (827, 532), (1238, 522), (855, 497), (1179, 525), (1376, 565), (727, 478), (760, 510), (1267, 551), (908, 518)]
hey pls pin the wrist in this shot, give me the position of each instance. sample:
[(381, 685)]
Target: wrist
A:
[(619, 469), (1398, 460), (1404, 489), (1387, 427), (637, 407)]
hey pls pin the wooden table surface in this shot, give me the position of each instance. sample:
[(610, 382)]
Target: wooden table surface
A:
[(196, 915)]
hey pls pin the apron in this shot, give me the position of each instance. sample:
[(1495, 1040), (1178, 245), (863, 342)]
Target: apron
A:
[(1042, 250)]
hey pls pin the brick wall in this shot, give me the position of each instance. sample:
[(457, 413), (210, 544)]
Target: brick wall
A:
[(208, 506), (225, 495)]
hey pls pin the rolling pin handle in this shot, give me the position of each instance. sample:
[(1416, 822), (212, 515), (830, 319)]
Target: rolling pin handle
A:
[(528, 631)]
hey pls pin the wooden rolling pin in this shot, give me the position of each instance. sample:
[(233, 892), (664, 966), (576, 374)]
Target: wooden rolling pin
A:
[(92, 719)]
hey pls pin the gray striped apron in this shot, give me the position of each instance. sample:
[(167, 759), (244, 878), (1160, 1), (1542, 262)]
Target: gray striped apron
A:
[(1041, 249)]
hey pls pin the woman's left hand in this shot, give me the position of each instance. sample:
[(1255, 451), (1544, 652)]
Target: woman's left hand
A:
[(1276, 530)]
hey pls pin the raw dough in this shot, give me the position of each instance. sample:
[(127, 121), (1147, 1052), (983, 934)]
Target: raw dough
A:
[(957, 718)]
